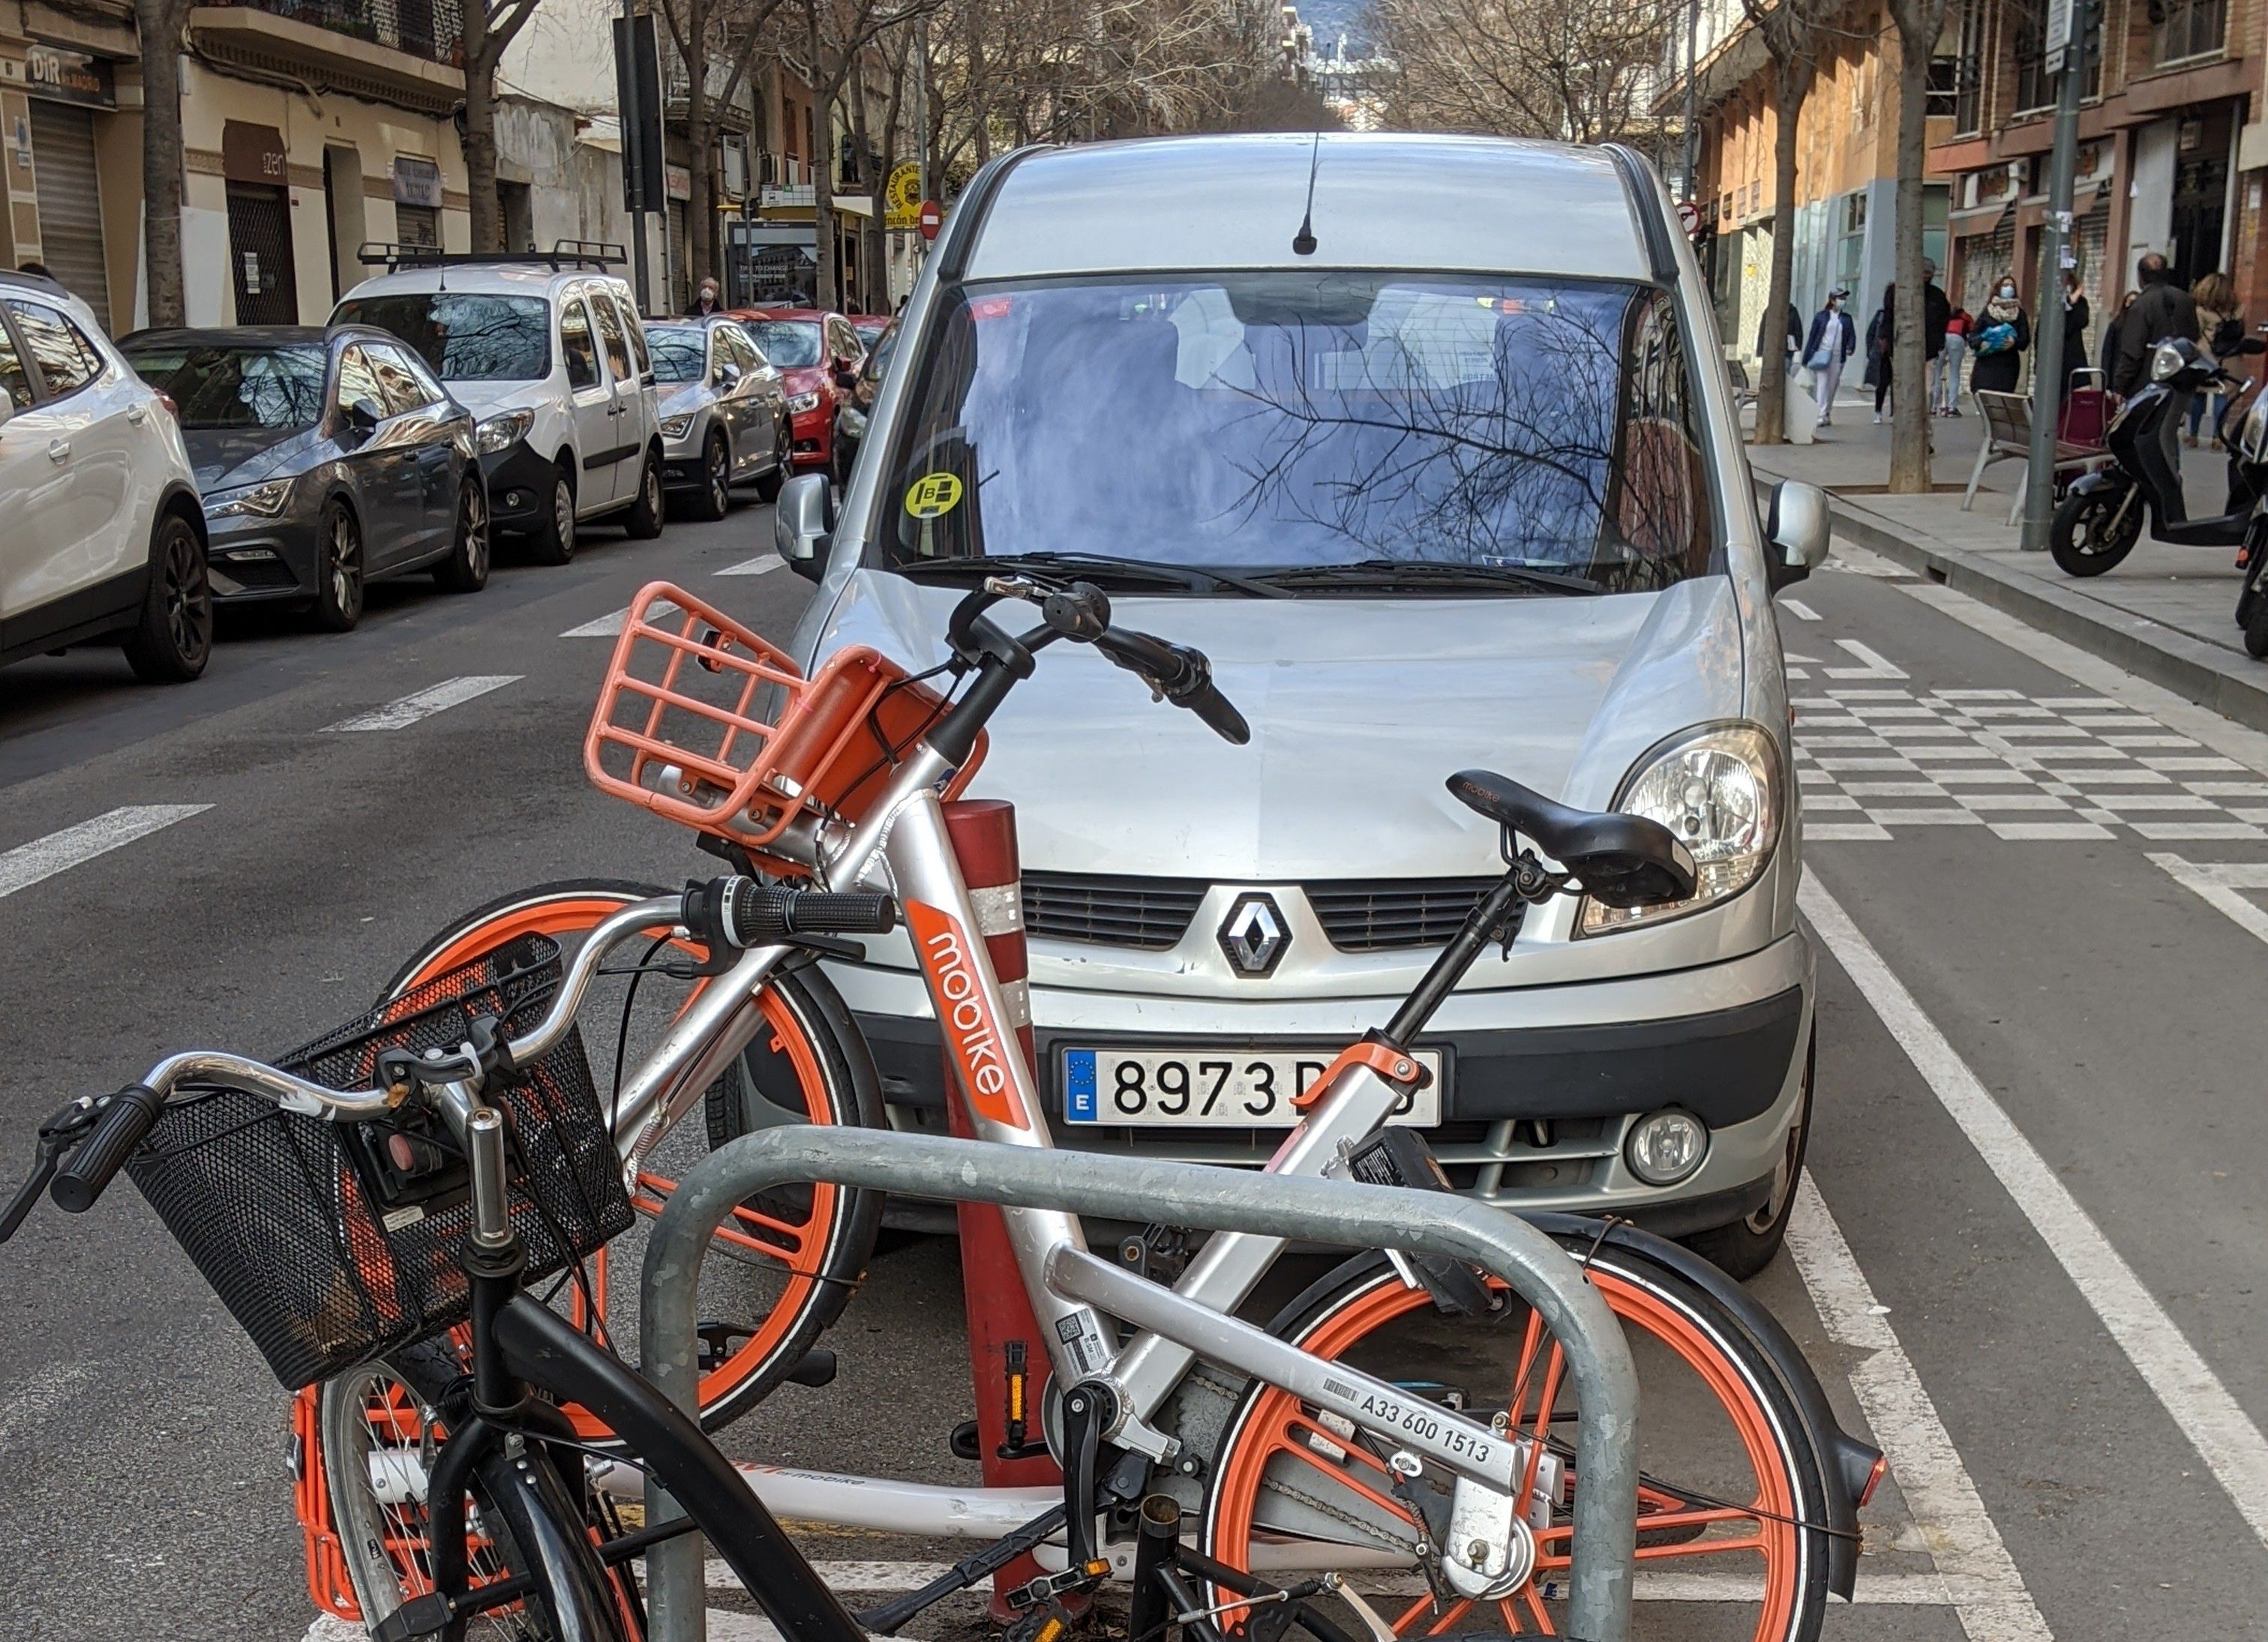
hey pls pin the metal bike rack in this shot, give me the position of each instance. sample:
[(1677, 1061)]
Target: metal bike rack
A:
[(1332, 1213)]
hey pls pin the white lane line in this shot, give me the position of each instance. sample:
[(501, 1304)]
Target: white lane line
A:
[(26, 864), (436, 699), (606, 627), (763, 564), (2229, 1442), (1875, 664), (1979, 1576), (2218, 883), (1797, 608)]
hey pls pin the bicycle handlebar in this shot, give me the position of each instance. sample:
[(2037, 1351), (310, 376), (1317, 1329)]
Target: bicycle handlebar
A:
[(127, 1118), (1178, 673)]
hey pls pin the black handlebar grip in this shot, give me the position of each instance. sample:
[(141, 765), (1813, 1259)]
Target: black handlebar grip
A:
[(1217, 711), (125, 1123), (760, 914)]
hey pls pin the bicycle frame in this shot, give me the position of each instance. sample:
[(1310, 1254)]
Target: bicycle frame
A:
[(1070, 1289)]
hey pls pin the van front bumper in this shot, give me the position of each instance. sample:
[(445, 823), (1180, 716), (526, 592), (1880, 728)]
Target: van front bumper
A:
[(1543, 1083)]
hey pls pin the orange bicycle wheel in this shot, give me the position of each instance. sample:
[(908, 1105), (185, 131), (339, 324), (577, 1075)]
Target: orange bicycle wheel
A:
[(1730, 1490)]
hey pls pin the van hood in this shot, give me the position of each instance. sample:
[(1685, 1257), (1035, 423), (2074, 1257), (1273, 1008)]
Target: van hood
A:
[(1360, 709), (486, 399)]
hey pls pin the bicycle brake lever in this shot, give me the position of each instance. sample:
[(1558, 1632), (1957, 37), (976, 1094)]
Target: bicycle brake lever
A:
[(56, 1134)]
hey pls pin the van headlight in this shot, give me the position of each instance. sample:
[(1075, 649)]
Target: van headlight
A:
[(1718, 791), (502, 431)]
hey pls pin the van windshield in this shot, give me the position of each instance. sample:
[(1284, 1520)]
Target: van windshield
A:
[(1319, 430), (465, 336)]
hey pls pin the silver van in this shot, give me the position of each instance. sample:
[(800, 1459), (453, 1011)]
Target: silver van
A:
[(1424, 442)]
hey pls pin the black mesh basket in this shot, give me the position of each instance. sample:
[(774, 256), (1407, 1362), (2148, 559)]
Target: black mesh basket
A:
[(319, 1241)]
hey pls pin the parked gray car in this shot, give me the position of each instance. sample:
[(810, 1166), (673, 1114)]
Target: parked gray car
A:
[(327, 459), (724, 413), (1445, 476)]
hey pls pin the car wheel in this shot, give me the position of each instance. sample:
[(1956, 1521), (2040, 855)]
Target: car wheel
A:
[(466, 569), (338, 571), (644, 523), (715, 497), (172, 639), (838, 460), (1747, 1246), (554, 538), (768, 488)]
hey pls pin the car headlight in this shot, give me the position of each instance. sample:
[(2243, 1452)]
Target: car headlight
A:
[(1718, 791), (674, 427), (798, 403), (502, 431), (263, 500)]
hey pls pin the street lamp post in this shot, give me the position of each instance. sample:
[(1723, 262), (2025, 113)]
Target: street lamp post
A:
[(2047, 335)]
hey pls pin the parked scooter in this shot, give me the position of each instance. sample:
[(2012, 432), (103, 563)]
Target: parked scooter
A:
[(2103, 512)]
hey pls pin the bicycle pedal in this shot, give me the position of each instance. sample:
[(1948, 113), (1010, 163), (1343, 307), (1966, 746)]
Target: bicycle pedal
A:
[(1048, 1588)]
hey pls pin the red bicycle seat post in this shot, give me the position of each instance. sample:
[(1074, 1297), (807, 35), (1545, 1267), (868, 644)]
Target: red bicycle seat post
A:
[(1001, 1326)]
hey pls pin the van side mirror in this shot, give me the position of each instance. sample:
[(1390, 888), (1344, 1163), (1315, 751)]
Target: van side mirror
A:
[(1796, 532), (803, 521)]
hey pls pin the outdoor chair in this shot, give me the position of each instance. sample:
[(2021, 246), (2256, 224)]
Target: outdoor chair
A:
[(2008, 438)]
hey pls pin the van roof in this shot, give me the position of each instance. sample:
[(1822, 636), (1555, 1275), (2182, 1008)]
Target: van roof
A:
[(1382, 200), (493, 279)]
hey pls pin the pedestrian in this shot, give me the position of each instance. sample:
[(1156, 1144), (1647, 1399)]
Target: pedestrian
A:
[(2163, 311), (1936, 313), (38, 270), (2076, 315), (1878, 348), (2219, 329), (1789, 342), (704, 301), (2110, 333), (2004, 331), (1958, 326), (1832, 339)]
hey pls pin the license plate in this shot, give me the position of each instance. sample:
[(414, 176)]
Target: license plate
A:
[(1215, 1088)]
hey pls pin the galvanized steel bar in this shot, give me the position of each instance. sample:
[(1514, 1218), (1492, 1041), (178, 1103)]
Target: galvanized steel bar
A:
[(1336, 1214)]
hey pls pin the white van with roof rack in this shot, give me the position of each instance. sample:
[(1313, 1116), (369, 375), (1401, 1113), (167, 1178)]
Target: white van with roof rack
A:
[(545, 349)]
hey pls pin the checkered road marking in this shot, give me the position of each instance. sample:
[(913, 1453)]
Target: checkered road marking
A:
[(1873, 756)]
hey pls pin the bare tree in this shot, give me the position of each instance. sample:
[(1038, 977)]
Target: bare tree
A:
[(488, 33), (1582, 71), (717, 42), (1919, 22), (160, 23), (1790, 31)]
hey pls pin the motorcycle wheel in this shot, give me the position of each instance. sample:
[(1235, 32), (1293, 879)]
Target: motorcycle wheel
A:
[(2084, 537)]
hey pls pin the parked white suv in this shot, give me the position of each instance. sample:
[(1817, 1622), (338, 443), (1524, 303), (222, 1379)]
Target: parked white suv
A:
[(546, 351), (101, 535)]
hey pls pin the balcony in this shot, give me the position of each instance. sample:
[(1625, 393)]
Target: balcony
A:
[(406, 52)]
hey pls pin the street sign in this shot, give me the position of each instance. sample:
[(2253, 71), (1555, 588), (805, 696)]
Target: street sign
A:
[(2059, 32), (931, 218), (1688, 217), (901, 197)]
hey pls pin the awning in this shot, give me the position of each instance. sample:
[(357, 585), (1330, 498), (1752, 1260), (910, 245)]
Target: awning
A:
[(1977, 219)]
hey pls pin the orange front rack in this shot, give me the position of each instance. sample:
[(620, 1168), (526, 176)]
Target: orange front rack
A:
[(702, 721)]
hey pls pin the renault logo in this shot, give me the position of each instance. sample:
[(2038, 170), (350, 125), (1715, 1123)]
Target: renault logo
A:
[(1253, 936)]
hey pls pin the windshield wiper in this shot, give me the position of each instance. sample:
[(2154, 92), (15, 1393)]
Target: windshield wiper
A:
[(1096, 566), (1429, 574)]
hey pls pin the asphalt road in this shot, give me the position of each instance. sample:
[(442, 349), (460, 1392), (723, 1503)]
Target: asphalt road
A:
[(2028, 1260)]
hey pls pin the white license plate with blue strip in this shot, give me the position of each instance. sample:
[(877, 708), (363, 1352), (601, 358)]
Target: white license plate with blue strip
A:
[(1212, 1088)]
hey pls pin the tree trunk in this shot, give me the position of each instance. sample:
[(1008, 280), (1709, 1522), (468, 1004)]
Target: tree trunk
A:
[(1910, 473), (701, 209), (480, 143), (1792, 84), (822, 171), (160, 25)]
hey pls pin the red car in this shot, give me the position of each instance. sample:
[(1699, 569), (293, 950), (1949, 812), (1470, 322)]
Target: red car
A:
[(817, 355)]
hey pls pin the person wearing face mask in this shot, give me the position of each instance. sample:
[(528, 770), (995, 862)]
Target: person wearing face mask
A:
[(2003, 334), (1833, 338)]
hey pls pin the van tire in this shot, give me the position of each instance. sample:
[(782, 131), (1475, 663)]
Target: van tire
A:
[(554, 541), (643, 521)]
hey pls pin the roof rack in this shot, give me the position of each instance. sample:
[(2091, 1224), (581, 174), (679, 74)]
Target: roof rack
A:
[(564, 253)]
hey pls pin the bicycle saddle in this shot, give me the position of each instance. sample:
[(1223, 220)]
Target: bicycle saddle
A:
[(1623, 860)]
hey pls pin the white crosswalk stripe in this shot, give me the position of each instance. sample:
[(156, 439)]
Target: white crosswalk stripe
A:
[(763, 564), (26, 864)]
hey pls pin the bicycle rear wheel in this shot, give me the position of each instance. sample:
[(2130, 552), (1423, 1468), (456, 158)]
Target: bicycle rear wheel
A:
[(1731, 1493)]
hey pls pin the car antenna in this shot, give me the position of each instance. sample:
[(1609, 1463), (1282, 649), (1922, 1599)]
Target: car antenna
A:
[(1303, 243)]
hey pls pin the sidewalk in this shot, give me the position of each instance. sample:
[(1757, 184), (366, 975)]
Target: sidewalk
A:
[(2168, 614)]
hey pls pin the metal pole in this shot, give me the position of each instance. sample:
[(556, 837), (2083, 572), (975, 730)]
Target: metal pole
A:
[(1692, 96), (633, 161), (1334, 1213), (2047, 334)]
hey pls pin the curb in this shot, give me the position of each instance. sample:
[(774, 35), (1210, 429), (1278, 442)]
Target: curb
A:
[(2224, 681)]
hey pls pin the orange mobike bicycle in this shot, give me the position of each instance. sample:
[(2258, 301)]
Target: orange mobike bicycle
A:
[(1418, 1436)]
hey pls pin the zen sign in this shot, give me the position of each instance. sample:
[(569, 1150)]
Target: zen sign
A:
[(2059, 32)]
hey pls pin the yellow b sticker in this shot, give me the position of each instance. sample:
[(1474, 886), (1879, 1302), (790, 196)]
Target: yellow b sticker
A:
[(933, 494)]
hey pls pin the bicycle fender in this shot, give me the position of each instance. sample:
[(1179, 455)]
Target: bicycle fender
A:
[(1845, 1462)]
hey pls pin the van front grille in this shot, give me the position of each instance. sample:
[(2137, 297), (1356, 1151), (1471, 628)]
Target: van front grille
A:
[(1150, 913), (1376, 915)]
